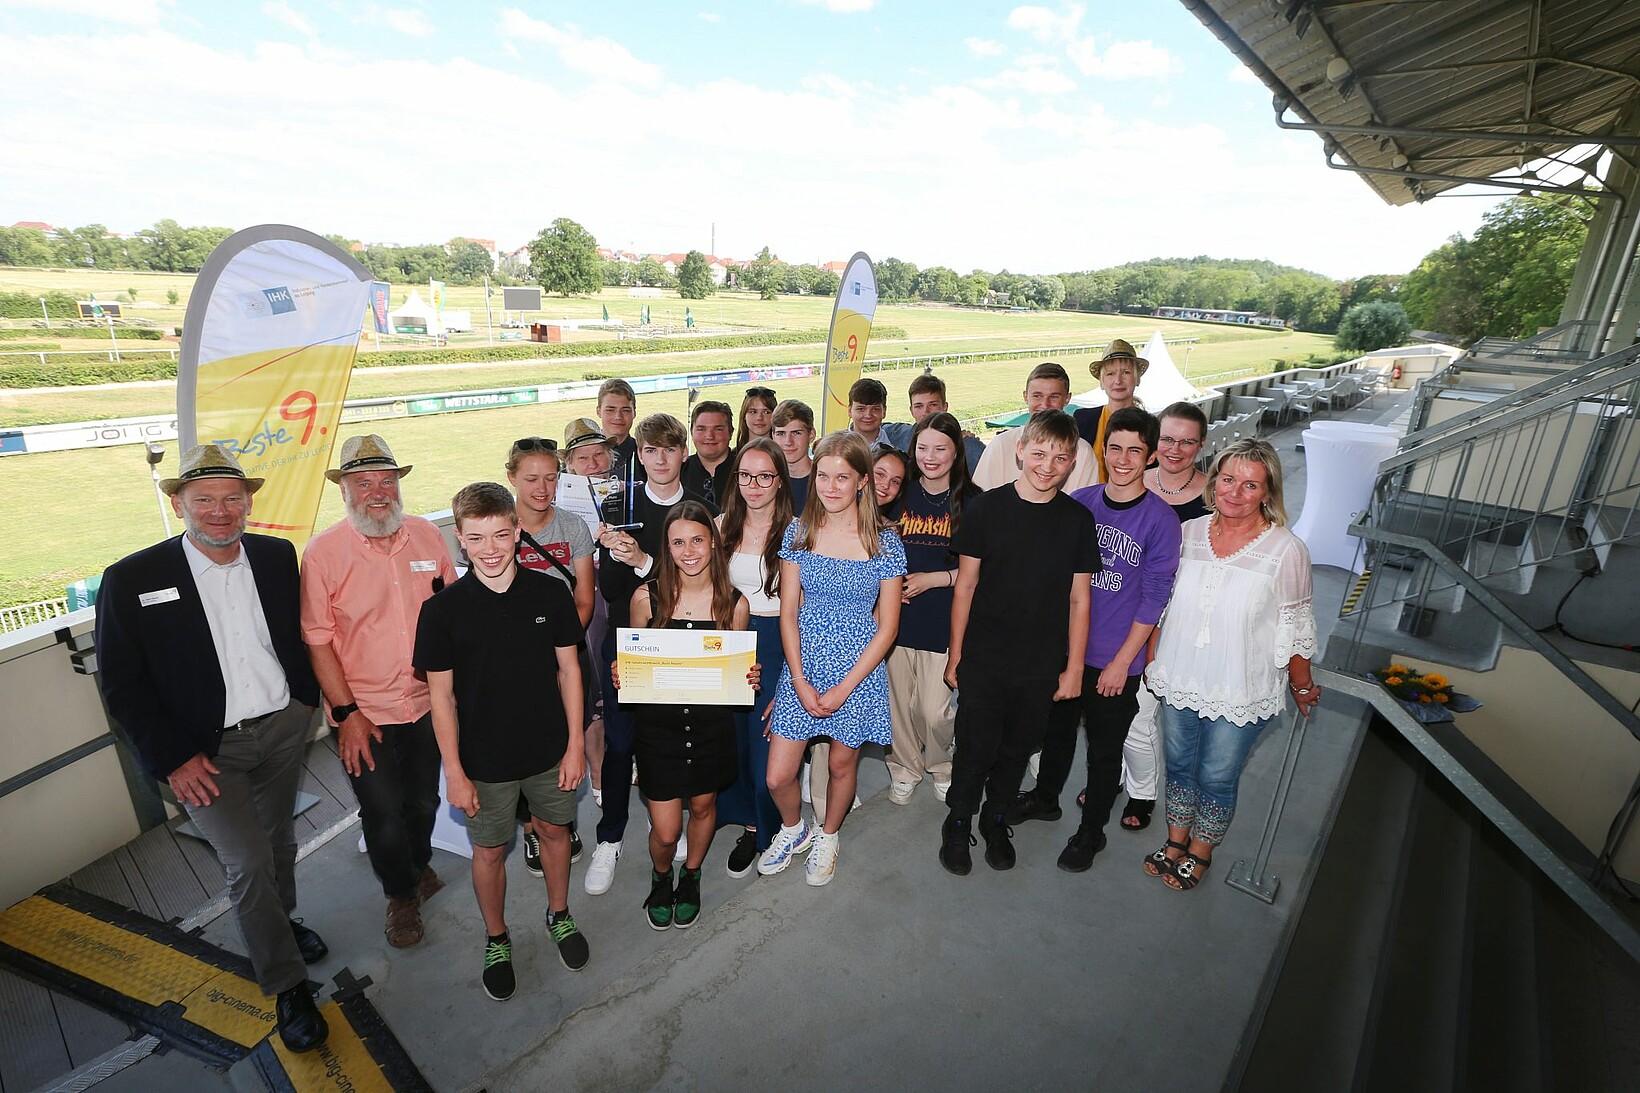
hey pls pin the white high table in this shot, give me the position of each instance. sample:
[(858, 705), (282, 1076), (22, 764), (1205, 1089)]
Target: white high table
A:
[(1341, 463)]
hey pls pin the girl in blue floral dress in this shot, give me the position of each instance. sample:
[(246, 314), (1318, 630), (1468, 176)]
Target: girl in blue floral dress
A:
[(841, 568)]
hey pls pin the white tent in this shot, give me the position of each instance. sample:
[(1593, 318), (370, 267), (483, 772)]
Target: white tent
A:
[(1163, 384), (414, 312)]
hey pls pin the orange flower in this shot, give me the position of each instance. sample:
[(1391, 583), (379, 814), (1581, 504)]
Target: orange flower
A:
[(1423, 698), (1437, 682), (1393, 681), (1442, 699), (1398, 669)]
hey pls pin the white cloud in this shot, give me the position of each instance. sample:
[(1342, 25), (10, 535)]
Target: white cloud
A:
[(1031, 78), (1122, 60), (140, 13), (1240, 73), (281, 12), (1044, 24), (603, 57), (407, 21), (709, 16), (984, 47), (843, 6)]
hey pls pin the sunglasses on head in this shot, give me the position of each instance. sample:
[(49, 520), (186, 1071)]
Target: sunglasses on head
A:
[(535, 444), (760, 392)]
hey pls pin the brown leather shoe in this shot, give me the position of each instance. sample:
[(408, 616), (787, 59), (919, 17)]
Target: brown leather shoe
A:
[(404, 927), (428, 885)]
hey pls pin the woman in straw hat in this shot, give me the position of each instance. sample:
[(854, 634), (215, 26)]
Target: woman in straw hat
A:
[(1118, 372)]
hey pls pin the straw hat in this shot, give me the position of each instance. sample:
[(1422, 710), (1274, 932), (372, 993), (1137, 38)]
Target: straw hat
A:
[(1119, 351), (583, 431), (207, 461), (365, 453)]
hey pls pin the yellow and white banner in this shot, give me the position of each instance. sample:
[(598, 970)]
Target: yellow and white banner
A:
[(268, 343), (851, 319)]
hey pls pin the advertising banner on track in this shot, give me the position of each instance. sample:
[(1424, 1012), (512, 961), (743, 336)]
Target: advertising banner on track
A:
[(851, 318), (380, 304), (268, 344)]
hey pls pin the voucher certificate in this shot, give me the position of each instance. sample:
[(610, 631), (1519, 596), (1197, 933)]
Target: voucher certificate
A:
[(686, 667)]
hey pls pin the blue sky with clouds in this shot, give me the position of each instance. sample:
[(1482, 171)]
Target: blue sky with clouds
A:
[(1040, 138)]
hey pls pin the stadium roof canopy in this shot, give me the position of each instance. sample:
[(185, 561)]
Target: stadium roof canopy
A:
[(1420, 96)]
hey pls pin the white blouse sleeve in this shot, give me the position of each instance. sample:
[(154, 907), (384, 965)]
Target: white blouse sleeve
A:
[(1295, 626)]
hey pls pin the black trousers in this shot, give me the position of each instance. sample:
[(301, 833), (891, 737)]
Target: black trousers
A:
[(1107, 720), (398, 804), (1000, 721)]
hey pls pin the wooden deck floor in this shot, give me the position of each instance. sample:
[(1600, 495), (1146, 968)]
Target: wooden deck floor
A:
[(44, 1034)]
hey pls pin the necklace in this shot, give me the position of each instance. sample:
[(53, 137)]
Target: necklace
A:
[(1182, 486)]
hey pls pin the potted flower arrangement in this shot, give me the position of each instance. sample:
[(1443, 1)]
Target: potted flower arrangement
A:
[(1427, 696)]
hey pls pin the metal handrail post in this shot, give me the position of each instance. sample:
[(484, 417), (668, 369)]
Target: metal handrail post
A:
[(1252, 879)]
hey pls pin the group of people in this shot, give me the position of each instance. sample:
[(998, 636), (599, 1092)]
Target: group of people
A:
[(962, 605)]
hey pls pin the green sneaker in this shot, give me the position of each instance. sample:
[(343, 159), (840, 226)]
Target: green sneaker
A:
[(659, 904), (686, 900), (499, 982), (573, 950)]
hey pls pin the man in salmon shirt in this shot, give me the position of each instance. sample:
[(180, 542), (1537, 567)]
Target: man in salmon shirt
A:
[(363, 583)]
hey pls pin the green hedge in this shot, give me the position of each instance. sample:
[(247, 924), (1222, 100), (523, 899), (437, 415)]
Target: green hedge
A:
[(86, 368), (124, 333), (26, 305), (30, 347)]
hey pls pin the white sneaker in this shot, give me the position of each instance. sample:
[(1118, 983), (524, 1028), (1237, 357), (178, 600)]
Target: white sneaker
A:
[(822, 863), (900, 792), (601, 872), (940, 790), (682, 852), (785, 846)]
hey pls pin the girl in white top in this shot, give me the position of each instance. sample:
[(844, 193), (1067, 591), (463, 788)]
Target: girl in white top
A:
[(755, 516), (1237, 637)]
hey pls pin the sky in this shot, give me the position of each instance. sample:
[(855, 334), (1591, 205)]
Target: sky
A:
[(1036, 138)]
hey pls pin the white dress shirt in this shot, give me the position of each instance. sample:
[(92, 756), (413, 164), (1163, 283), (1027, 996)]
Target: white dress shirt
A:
[(251, 673)]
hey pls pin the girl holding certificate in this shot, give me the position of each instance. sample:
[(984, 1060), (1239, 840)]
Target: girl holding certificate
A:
[(685, 753), (841, 568), (755, 516)]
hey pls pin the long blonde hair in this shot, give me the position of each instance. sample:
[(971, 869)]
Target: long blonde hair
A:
[(852, 448), (1251, 450)]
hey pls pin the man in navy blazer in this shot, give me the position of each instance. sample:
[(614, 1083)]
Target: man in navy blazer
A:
[(201, 661)]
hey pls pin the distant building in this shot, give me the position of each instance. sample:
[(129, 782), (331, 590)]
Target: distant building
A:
[(39, 226)]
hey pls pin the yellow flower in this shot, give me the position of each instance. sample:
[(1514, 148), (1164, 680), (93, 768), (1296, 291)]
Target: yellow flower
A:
[(1398, 669), (1393, 681), (1443, 699), (1437, 681)]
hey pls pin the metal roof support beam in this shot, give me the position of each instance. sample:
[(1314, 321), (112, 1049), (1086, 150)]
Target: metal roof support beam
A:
[(1467, 180), (1523, 137)]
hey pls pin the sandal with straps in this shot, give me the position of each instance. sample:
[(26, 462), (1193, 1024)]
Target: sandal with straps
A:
[(1187, 872), (1158, 863), (1138, 810)]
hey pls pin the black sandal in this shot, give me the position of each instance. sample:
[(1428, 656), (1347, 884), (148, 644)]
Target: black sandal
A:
[(1158, 863), (1187, 872), (1139, 810)]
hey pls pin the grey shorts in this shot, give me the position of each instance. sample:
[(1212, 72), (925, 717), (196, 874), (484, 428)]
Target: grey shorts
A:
[(498, 806)]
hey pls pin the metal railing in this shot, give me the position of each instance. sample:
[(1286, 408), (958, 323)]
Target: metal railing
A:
[(1554, 381), (18, 615), (1252, 876)]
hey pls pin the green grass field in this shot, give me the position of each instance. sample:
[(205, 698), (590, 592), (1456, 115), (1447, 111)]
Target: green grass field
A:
[(68, 514)]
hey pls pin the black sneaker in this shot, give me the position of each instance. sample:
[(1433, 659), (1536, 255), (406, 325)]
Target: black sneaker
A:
[(657, 905), (572, 945), (999, 842), (1029, 806), (574, 845), (1078, 854), (499, 981), (532, 853), (956, 837), (686, 900), (744, 855)]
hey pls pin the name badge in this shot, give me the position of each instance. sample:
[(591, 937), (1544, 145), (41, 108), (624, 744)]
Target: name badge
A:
[(424, 567), (163, 595)]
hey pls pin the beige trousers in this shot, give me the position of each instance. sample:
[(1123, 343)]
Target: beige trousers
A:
[(924, 717)]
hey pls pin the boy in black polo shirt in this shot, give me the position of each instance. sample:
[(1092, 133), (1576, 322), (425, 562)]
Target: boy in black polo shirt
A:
[(505, 726), (1025, 551)]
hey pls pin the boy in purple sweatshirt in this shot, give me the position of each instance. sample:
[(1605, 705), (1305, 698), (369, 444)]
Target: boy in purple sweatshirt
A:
[(1139, 547)]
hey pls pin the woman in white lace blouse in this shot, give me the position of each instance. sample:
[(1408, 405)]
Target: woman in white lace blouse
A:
[(1237, 638)]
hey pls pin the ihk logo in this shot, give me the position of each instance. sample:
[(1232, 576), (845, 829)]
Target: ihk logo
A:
[(279, 299)]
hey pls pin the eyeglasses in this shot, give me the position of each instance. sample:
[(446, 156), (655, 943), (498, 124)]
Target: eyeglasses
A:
[(534, 444), (1174, 442), (760, 392), (762, 478)]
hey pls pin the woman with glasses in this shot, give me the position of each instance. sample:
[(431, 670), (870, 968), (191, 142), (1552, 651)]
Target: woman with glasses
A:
[(1175, 478), (755, 515), (756, 415), (558, 543)]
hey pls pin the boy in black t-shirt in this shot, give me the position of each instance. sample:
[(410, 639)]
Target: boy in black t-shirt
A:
[(500, 737), (1025, 551)]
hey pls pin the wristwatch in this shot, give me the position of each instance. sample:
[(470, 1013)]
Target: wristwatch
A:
[(338, 714)]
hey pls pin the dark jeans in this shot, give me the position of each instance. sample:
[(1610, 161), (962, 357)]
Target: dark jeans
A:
[(398, 803), (1000, 721), (620, 736), (747, 801), (1106, 720)]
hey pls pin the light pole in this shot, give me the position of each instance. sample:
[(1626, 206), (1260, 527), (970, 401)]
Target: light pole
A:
[(155, 453)]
